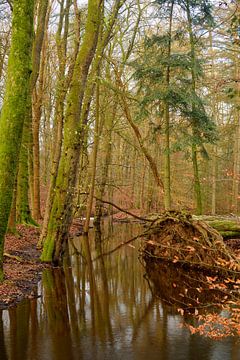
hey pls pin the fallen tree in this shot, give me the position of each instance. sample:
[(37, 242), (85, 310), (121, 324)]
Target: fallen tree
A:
[(178, 238), (227, 226)]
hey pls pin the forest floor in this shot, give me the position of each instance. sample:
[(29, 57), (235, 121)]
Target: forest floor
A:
[(22, 267)]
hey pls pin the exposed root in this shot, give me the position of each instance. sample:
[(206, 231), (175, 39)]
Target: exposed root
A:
[(14, 257), (176, 237)]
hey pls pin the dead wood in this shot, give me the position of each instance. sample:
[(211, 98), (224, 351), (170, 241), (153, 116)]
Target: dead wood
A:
[(176, 237)]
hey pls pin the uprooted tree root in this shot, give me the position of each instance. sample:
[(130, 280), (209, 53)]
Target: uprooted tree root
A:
[(178, 238)]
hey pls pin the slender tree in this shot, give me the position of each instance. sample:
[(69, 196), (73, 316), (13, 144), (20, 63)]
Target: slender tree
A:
[(61, 212)]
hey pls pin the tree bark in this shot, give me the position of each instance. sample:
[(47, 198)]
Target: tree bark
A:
[(61, 212), (14, 108), (37, 102), (197, 184), (167, 164), (61, 41)]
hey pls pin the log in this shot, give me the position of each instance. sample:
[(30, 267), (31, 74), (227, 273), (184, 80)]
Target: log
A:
[(228, 227)]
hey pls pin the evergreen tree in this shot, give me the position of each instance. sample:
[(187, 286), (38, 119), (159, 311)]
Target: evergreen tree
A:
[(167, 79)]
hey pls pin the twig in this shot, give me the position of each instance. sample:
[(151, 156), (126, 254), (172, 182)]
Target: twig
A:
[(14, 257), (118, 207), (121, 245)]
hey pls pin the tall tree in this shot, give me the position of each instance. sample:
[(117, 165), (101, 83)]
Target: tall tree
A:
[(30, 140), (14, 108), (61, 212)]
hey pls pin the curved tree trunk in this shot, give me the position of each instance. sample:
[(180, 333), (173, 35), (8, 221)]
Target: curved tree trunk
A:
[(61, 41), (61, 212)]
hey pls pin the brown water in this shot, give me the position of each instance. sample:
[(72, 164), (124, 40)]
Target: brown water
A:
[(102, 311)]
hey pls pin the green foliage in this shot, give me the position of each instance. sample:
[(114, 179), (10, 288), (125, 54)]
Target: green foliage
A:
[(181, 100), (150, 73)]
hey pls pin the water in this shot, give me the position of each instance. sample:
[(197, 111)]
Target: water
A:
[(103, 311)]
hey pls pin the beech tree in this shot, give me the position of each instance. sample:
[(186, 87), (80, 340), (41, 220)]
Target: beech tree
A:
[(61, 212), (14, 108)]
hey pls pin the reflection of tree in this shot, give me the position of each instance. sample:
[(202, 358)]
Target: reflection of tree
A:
[(99, 308), (2, 342), (19, 330), (120, 285), (141, 320), (105, 290), (34, 324), (71, 298), (55, 301)]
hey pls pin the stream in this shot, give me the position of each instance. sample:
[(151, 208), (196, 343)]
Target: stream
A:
[(103, 310)]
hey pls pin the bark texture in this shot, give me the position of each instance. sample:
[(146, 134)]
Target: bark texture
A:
[(61, 212), (14, 108)]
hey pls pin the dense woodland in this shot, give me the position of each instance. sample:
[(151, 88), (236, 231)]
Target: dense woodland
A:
[(118, 102)]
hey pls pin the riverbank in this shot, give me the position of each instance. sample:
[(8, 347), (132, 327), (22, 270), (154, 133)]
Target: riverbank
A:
[(22, 267)]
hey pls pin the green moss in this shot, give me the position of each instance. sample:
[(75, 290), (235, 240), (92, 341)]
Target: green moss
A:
[(61, 212), (1, 274), (225, 225), (22, 204), (230, 234), (14, 107)]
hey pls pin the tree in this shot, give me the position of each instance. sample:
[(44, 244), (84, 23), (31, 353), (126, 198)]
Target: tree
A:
[(61, 212), (14, 108)]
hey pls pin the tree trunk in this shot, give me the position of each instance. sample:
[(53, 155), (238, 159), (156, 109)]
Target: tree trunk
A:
[(109, 119), (167, 167), (228, 227), (62, 88), (94, 163), (22, 202), (13, 215), (37, 102), (236, 165), (197, 184), (61, 212), (214, 180), (150, 159), (14, 108)]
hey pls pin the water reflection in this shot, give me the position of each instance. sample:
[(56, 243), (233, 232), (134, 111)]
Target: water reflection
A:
[(102, 310), (183, 288)]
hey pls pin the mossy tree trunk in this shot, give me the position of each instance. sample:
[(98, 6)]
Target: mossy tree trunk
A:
[(30, 145), (61, 42), (107, 148), (12, 218), (94, 162), (14, 108), (37, 100), (61, 212), (23, 212)]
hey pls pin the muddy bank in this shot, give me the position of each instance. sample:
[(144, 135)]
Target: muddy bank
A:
[(22, 267)]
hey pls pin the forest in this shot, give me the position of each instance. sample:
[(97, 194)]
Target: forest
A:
[(120, 123)]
